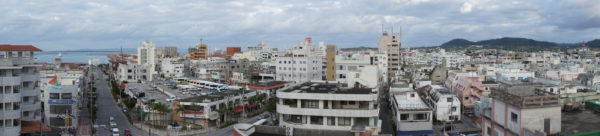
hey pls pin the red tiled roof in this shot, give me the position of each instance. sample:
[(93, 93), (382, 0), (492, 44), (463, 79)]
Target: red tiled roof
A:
[(70, 65), (6, 47), (33, 126)]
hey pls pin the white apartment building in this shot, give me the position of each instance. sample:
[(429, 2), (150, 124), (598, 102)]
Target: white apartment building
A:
[(209, 104), (328, 106), (299, 69), (263, 51), (19, 88), (361, 70), (146, 54), (514, 74), (133, 72), (520, 110), (411, 115), (61, 99), (172, 68), (451, 59), (445, 104)]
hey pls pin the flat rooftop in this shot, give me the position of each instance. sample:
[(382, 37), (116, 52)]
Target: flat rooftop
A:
[(268, 84), (406, 103), (321, 87), (214, 95)]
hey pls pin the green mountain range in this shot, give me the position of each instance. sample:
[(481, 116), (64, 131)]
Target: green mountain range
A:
[(512, 43)]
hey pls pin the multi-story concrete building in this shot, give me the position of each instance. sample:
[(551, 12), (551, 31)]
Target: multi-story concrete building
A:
[(233, 50), (133, 72), (263, 51), (200, 52), (146, 54), (61, 91), (172, 68), (19, 88), (359, 70), (204, 108), (410, 114), (328, 106), (390, 45), (445, 104), (298, 69), (520, 109), (61, 96), (169, 52)]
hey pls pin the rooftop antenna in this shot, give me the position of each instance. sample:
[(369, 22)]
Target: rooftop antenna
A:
[(382, 28)]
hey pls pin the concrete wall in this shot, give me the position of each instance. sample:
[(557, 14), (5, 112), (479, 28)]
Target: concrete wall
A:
[(533, 119), (499, 112)]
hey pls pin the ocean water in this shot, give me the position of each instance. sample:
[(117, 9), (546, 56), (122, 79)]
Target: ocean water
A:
[(74, 56)]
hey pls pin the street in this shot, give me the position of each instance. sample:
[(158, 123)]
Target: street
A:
[(385, 114), (107, 107)]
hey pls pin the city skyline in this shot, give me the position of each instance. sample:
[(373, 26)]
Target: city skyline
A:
[(111, 24)]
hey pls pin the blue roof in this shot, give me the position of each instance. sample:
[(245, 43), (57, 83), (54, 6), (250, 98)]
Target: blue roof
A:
[(420, 132)]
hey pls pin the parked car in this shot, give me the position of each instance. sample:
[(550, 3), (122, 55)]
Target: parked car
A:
[(170, 99)]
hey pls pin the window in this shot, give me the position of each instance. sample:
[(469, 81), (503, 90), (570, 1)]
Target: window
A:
[(513, 117), (412, 95), (344, 121), (310, 104), (67, 96), (54, 95), (404, 116), (466, 98), (331, 121), (16, 106), (316, 120), (60, 109), (16, 89), (1, 123), (449, 99), (342, 76), (16, 122), (489, 131), (421, 116), (1, 106), (453, 109)]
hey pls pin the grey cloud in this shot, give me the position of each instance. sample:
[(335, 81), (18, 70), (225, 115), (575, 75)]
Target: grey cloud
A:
[(112, 23)]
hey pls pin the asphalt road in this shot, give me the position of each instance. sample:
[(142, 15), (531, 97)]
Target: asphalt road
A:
[(385, 113), (107, 107)]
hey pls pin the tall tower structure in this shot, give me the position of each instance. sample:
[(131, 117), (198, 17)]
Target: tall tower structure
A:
[(390, 45), (147, 57)]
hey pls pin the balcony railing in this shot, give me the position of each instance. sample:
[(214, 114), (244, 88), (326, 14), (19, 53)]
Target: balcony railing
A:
[(15, 61), (285, 109)]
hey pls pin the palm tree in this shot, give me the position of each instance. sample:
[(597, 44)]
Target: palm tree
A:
[(180, 109)]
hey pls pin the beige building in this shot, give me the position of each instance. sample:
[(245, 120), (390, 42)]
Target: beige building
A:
[(330, 62), (199, 53), (390, 45)]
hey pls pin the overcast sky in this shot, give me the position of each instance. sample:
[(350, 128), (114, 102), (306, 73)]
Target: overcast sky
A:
[(89, 24)]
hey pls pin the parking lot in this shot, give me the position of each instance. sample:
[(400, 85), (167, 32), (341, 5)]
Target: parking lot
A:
[(151, 93)]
